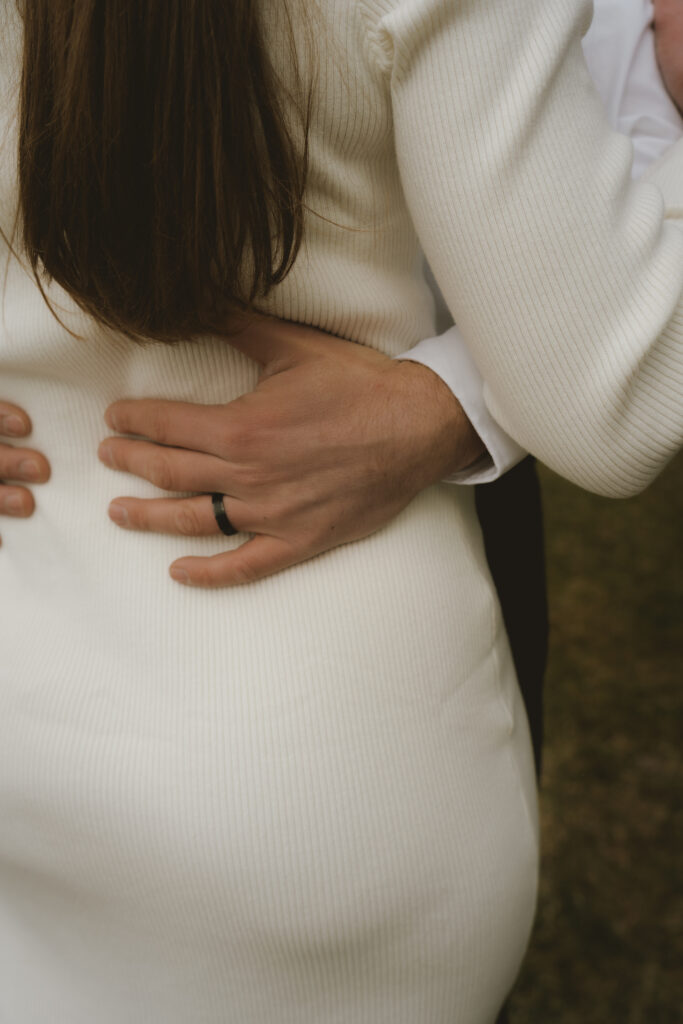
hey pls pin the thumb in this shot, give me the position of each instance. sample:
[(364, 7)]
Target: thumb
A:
[(261, 556), (275, 344)]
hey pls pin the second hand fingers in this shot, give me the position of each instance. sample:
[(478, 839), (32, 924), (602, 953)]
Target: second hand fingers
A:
[(23, 464), (16, 501), (14, 422)]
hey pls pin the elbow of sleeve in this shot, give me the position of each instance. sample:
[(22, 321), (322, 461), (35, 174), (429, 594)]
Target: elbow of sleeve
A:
[(608, 484), (616, 471), (621, 488), (613, 441)]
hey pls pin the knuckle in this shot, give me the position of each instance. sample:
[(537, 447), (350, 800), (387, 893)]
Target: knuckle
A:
[(274, 515), (158, 422), (227, 436), (239, 438), (246, 477), (244, 571), (160, 473), (209, 576), (186, 521)]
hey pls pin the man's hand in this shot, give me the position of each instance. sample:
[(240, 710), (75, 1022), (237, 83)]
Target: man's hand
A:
[(669, 46), (335, 440), (18, 465)]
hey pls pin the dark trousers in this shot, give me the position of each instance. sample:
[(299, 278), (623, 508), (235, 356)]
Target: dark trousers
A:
[(511, 518)]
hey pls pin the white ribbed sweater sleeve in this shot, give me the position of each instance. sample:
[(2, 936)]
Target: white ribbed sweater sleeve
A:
[(565, 278)]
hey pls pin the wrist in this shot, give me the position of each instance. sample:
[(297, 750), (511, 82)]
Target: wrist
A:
[(442, 439)]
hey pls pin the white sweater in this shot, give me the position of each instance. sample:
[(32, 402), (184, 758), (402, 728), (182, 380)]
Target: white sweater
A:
[(311, 800), (619, 48)]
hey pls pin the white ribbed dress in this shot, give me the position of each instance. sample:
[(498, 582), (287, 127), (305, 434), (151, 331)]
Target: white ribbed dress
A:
[(311, 800)]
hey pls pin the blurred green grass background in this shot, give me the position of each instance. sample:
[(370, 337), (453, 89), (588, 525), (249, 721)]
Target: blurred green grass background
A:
[(608, 941)]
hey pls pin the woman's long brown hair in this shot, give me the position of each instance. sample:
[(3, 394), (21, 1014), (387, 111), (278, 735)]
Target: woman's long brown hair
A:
[(160, 183)]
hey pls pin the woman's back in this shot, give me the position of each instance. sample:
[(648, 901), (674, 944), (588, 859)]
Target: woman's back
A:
[(310, 799)]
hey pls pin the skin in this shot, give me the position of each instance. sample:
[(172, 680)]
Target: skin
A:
[(335, 440), (18, 465), (668, 26)]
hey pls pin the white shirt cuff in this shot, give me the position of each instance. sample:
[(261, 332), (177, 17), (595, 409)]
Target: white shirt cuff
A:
[(449, 357)]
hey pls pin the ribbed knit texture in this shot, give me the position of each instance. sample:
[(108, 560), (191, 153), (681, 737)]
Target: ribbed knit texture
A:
[(311, 800)]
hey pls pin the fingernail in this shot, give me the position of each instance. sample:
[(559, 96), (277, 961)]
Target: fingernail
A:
[(179, 575), (105, 454), (29, 469), (14, 504), (118, 513), (110, 420), (14, 426)]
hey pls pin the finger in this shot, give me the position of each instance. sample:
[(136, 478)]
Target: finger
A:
[(170, 469), (188, 517), (14, 422), (256, 558), (16, 502), (181, 424), (23, 464)]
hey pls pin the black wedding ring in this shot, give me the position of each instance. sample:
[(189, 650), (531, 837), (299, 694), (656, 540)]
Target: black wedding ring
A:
[(221, 517)]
